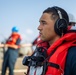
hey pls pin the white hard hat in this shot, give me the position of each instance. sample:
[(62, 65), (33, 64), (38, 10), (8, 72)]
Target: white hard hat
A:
[(71, 18)]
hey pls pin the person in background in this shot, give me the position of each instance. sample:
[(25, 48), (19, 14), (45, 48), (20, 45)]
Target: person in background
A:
[(72, 20), (61, 53), (36, 40), (11, 54)]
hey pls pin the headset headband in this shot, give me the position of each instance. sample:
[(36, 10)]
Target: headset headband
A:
[(58, 11)]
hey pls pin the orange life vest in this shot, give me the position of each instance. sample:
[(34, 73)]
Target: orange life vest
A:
[(57, 60), (13, 39)]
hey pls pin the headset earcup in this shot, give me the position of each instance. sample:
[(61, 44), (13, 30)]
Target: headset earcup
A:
[(60, 26)]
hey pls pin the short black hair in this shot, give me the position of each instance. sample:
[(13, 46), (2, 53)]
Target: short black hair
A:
[(53, 11)]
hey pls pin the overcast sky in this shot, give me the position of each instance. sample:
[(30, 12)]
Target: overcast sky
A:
[(25, 14)]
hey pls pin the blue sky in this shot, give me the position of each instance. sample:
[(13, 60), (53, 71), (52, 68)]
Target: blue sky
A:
[(25, 14)]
